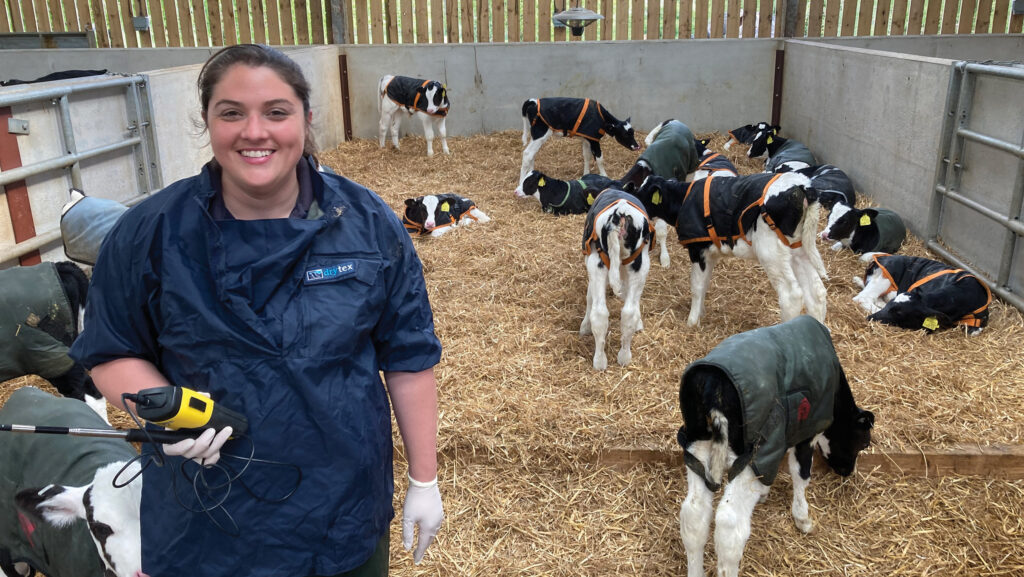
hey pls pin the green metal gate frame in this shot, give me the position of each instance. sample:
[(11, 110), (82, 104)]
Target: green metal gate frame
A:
[(955, 132)]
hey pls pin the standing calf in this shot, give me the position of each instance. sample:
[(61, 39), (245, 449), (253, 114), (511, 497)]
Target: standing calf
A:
[(757, 396), (581, 117), (919, 293), (764, 217), (426, 98), (616, 240)]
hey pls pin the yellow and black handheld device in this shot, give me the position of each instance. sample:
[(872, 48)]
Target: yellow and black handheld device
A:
[(184, 409)]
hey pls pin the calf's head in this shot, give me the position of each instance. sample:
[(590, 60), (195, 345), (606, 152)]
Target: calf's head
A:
[(763, 138), (436, 96), (111, 514), (842, 222), (535, 183), (623, 133), (425, 211), (847, 436)]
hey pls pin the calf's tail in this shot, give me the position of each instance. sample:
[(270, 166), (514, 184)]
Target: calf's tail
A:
[(718, 460), (614, 230)]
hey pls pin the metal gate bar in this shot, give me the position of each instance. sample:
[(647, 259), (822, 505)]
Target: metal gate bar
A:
[(142, 142), (959, 99)]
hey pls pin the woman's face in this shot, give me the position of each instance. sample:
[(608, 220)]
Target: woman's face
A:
[(257, 131)]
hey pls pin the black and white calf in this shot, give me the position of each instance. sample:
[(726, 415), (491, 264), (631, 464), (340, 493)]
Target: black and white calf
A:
[(41, 313), (745, 134), (61, 513), (756, 398), (783, 153), (436, 214), (616, 242), (919, 293), (426, 98), (711, 162), (564, 196), (832, 186), (864, 230), (770, 218), (581, 117)]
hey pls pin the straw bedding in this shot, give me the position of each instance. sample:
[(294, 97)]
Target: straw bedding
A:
[(524, 415)]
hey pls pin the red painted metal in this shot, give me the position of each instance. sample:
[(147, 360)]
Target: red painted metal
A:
[(16, 192)]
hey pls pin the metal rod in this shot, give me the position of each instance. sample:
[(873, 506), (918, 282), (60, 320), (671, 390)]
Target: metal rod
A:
[(69, 140), (1009, 147), (130, 435), (23, 172), (53, 93), (935, 212), (1013, 224), (996, 70)]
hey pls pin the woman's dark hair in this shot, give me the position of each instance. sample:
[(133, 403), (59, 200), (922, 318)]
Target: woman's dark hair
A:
[(256, 55)]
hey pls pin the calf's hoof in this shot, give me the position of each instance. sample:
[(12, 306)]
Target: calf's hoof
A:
[(804, 525), (600, 362), (625, 356)]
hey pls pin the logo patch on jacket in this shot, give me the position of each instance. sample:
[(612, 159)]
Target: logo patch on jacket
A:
[(330, 273), (804, 410)]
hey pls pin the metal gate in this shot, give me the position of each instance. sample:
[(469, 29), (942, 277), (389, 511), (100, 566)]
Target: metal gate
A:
[(975, 216), (139, 143)]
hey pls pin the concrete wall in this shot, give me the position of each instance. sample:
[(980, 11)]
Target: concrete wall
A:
[(999, 47), (709, 84)]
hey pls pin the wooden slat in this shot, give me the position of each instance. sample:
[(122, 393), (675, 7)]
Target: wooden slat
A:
[(259, 24), (966, 21), (318, 32), (607, 26), (700, 19), (131, 37), (76, 14), (42, 19), (301, 22), (497, 20), (214, 20), (881, 18), (54, 18), (832, 18), (529, 13), (242, 22), (670, 20), (63, 16), (999, 16), (437, 21), (28, 15), (16, 17), (801, 6), (732, 19), (157, 19), (949, 12), (451, 21), (717, 19), (483, 29), (114, 23), (590, 32), (1017, 24), (849, 21), (229, 23), (764, 18), (981, 26), (621, 19), (748, 19), (636, 20), (99, 19), (391, 8), (287, 22), (273, 22), (183, 25), (653, 8), (360, 24), (421, 31), (864, 15), (915, 17), (931, 17), (899, 18), (5, 20), (814, 17), (377, 21), (466, 20), (779, 28)]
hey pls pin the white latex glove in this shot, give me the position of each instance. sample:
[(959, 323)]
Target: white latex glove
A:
[(204, 449), (423, 508)]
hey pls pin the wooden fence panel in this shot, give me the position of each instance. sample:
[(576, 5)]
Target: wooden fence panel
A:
[(814, 19), (42, 21), (608, 24), (621, 19), (216, 25), (984, 17), (422, 34), (242, 22), (700, 20), (999, 16), (832, 18), (5, 21), (849, 18), (1016, 24), (497, 20), (732, 19), (302, 21), (483, 28), (466, 19), (529, 21), (361, 23), (317, 21), (864, 15), (915, 17), (287, 22), (881, 19), (273, 23), (59, 16), (17, 25), (801, 18), (931, 17), (966, 22), (437, 21), (949, 17), (670, 21), (653, 28), (717, 20), (636, 19), (748, 19), (899, 18), (28, 15), (405, 21), (764, 19)]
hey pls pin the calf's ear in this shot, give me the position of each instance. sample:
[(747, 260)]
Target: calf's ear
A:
[(56, 504), (409, 202), (866, 419)]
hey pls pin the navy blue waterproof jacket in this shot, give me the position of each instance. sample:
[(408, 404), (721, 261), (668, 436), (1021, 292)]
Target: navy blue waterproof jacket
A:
[(287, 321)]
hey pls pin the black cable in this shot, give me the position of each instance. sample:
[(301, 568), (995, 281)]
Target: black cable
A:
[(210, 497)]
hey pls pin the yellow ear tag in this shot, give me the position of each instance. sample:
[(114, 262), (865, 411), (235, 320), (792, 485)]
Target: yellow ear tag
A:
[(656, 198), (445, 207), (930, 323), (590, 199), (865, 220), (770, 140), (541, 182)]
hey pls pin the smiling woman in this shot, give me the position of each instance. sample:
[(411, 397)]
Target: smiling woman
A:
[(283, 293)]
